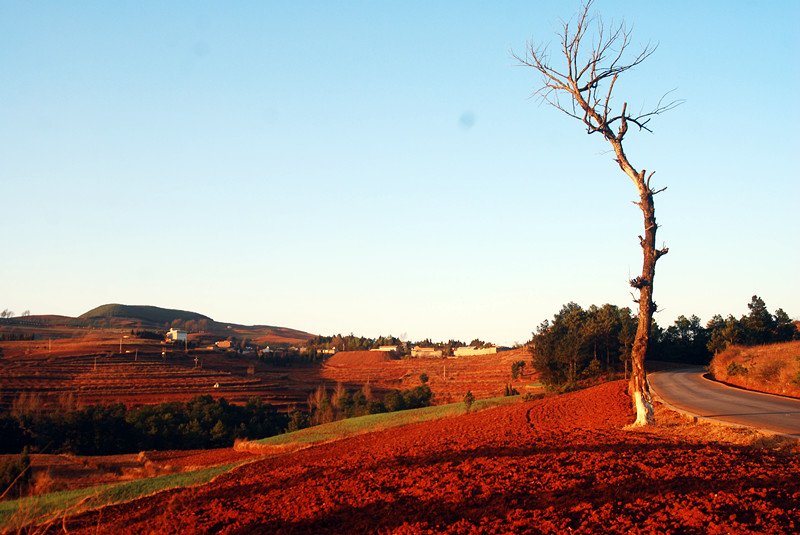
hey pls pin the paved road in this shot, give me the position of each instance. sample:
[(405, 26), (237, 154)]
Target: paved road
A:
[(686, 389)]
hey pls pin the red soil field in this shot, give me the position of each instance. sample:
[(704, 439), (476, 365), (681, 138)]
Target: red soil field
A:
[(62, 374), (556, 465), (449, 379), (103, 367)]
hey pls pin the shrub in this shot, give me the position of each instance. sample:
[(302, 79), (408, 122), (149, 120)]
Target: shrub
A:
[(769, 371), (734, 368), (417, 397), (297, 420), (469, 399), (510, 391), (15, 474), (796, 378), (393, 401)]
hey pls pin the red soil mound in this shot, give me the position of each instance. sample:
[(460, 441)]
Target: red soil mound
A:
[(556, 465)]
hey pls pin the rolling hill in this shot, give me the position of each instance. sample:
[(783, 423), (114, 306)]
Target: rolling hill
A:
[(142, 312)]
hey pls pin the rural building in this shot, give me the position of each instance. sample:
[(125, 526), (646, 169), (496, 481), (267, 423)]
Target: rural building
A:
[(223, 344), (472, 350), (177, 335), (426, 352), (388, 349)]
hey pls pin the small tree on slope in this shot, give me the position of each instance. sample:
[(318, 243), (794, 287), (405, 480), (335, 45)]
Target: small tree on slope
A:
[(582, 87)]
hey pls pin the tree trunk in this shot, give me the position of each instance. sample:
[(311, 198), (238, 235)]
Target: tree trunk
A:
[(638, 388)]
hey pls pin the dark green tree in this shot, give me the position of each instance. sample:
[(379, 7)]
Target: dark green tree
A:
[(785, 329), (758, 325), (722, 333)]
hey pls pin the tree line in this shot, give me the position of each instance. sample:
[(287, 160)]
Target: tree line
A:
[(585, 343), (200, 423), (327, 406)]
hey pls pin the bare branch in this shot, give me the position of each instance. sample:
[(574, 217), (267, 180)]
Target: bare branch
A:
[(589, 81)]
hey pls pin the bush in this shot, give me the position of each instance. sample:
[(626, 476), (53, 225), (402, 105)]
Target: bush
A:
[(393, 401), (15, 474), (510, 391), (734, 368), (417, 397), (796, 378), (469, 399), (769, 371)]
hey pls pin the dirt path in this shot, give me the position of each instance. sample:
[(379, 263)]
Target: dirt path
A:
[(556, 465)]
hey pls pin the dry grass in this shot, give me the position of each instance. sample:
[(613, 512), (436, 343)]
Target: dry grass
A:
[(771, 368), (258, 448)]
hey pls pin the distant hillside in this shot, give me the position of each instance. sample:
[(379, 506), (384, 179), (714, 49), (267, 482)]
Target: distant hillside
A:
[(142, 312)]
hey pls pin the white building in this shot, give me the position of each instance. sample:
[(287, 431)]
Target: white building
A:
[(177, 335), (471, 350)]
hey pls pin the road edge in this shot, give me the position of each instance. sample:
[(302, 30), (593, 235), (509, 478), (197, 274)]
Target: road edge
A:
[(695, 418)]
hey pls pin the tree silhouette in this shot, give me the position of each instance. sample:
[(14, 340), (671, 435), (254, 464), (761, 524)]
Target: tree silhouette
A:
[(580, 80)]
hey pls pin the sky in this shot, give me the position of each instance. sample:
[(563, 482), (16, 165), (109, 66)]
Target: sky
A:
[(380, 168)]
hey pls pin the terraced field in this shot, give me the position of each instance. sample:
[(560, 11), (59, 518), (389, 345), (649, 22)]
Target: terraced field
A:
[(140, 377), (109, 367)]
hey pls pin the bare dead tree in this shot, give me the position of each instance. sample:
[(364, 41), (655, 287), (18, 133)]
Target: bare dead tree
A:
[(580, 81)]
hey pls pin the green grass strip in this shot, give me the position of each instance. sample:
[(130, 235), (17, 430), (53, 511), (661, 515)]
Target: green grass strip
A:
[(36, 509), (376, 422)]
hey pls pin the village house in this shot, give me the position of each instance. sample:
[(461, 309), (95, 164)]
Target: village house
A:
[(469, 351), (387, 349), (177, 335), (426, 352)]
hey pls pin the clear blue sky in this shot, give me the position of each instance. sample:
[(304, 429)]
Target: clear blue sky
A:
[(378, 167)]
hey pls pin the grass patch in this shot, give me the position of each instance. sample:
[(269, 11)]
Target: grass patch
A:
[(45, 508), (377, 422)]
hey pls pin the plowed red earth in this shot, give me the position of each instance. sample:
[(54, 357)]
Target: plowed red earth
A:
[(556, 465)]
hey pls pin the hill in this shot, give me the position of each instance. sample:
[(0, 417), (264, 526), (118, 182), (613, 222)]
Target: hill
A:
[(142, 312)]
